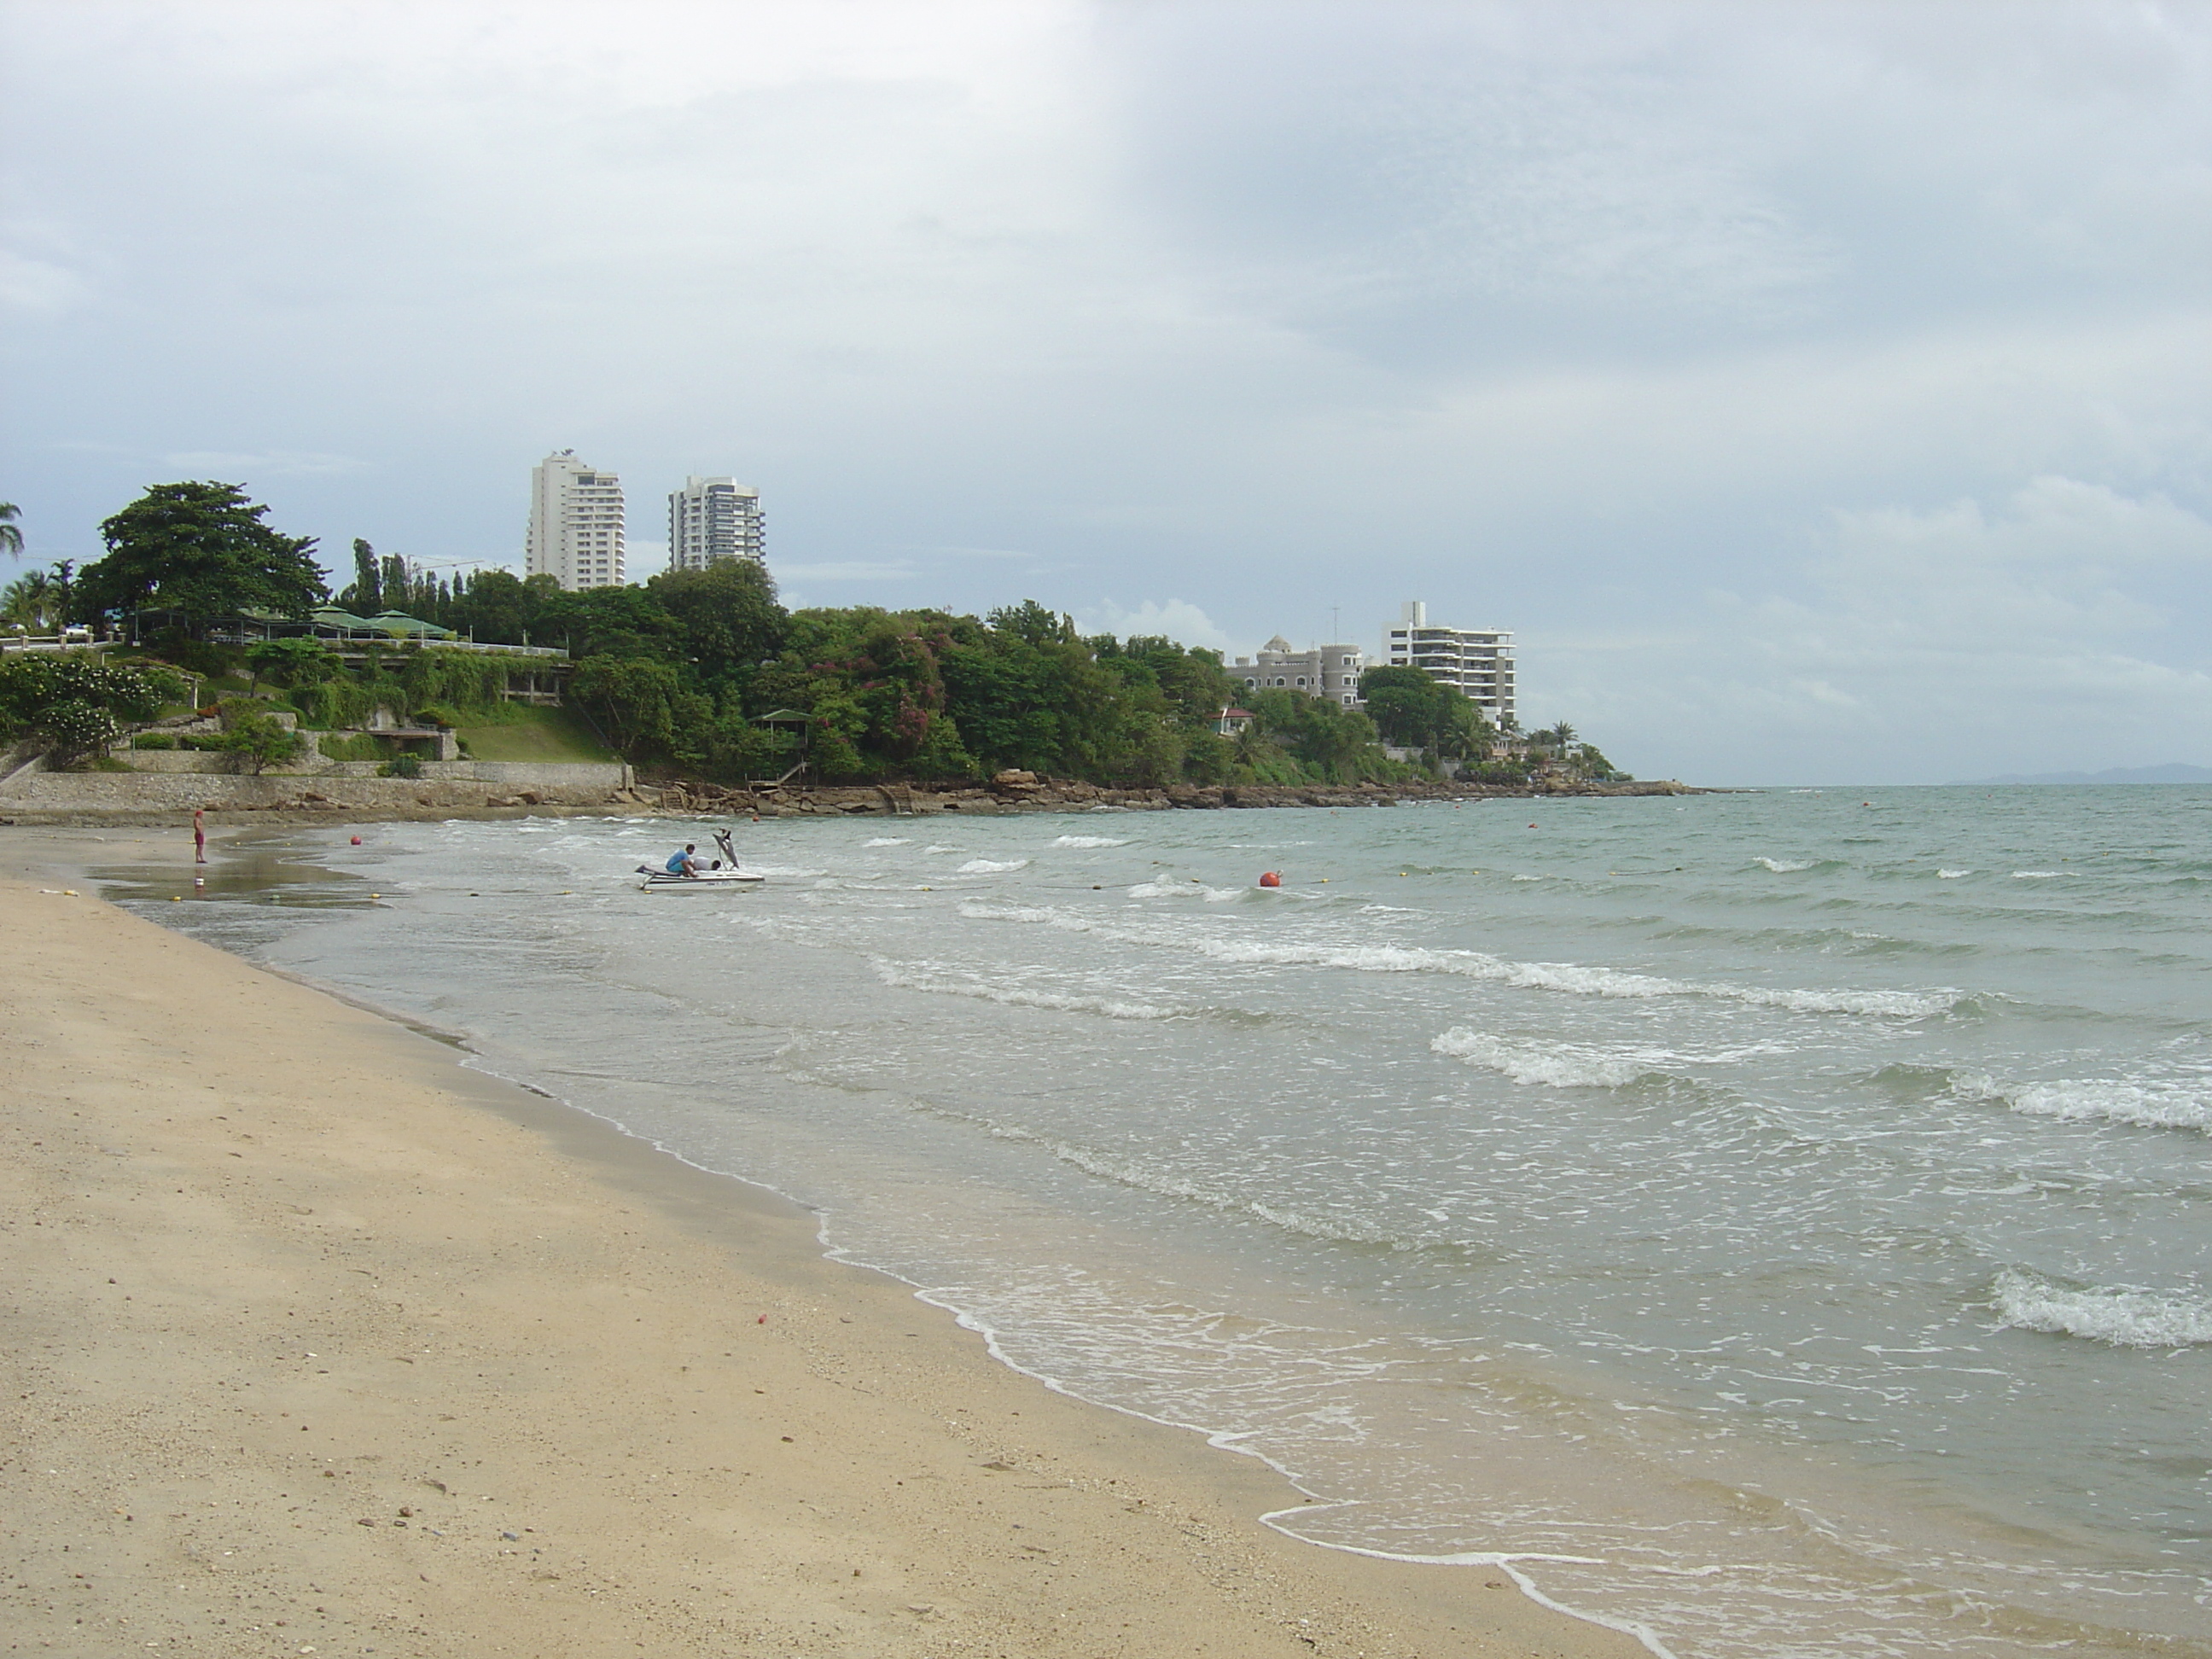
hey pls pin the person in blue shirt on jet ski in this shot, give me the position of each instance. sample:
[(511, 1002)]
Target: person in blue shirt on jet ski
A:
[(685, 863)]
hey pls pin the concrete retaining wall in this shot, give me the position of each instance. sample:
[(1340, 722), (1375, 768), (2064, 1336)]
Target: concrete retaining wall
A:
[(511, 775)]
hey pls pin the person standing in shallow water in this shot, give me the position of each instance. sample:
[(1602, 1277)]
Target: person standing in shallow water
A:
[(200, 835)]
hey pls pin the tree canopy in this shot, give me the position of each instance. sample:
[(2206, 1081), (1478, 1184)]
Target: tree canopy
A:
[(1410, 708), (202, 550)]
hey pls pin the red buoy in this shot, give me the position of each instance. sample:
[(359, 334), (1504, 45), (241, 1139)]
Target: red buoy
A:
[(1269, 878), (356, 841)]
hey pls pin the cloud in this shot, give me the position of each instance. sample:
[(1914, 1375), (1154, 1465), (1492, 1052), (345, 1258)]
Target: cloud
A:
[(266, 464), (2055, 625), (1178, 620), (844, 570), (1657, 334)]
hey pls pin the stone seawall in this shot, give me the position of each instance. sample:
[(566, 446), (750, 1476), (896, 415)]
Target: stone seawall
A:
[(444, 788)]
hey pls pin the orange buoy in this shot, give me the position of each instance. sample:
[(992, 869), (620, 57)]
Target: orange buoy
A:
[(356, 841), (1269, 878)]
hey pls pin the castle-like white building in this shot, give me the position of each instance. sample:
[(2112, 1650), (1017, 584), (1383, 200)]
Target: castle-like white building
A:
[(1325, 670)]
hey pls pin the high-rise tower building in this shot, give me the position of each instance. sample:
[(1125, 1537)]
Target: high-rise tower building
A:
[(712, 519), (575, 523), (1476, 661)]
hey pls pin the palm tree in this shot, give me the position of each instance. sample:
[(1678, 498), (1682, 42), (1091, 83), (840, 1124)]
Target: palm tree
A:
[(1559, 736), (31, 600), (11, 534)]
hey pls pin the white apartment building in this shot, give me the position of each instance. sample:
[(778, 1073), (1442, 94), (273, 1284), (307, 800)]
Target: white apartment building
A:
[(576, 524), (1478, 661), (1326, 671), (712, 519)]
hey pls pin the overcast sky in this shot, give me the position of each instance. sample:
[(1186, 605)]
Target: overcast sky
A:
[(1821, 392)]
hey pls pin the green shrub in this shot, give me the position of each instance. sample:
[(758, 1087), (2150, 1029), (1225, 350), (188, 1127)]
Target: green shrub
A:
[(151, 740), (257, 740), (350, 746), (71, 703), (197, 657), (401, 766)]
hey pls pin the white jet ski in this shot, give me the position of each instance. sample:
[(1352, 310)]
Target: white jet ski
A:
[(722, 876)]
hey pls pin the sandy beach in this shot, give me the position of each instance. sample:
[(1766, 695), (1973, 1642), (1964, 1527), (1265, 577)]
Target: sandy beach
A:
[(319, 1343)]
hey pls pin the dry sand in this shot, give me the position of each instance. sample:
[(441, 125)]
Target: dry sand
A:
[(318, 1343)]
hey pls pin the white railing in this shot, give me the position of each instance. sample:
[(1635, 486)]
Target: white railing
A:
[(9, 642)]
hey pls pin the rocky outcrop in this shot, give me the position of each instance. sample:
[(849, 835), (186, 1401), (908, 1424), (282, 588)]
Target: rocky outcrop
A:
[(1026, 791)]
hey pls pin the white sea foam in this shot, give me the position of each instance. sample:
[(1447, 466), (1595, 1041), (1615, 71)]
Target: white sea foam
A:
[(1168, 887), (1555, 1065), (938, 980), (2033, 875), (890, 840), (992, 866), (1089, 841), (2155, 1104), (1152, 1180), (1786, 866), (1953, 875), (2124, 1316), (1565, 976)]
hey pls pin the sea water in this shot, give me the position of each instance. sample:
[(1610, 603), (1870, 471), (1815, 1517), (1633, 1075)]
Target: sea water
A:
[(1770, 1224)]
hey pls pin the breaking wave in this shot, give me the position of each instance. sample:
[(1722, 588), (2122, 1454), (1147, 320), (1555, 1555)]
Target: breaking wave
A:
[(939, 981), (890, 840), (2144, 1105), (1569, 977), (1786, 866), (991, 866), (1089, 841), (1553, 1065), (1165, 887), (2123, 1315)]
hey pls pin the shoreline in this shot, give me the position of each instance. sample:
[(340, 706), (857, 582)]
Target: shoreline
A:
[(1072, 1535), (168, 799)]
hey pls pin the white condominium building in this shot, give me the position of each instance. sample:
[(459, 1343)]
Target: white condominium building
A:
[(1326, 671), (576, 524), (1478, 661), (712, 519)]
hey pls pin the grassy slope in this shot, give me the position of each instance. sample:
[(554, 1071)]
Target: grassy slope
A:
[(535, 734)]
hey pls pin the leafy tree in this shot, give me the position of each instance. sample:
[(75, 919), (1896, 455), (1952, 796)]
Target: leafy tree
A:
[(729, 615), (1338, 743), (255, 738), (610, 621), (366, 597), (1410, 708), (1031, 623), (11, 533), (293, 663), (497, 607), (72, 704), (201, 549), (1405, 705), (643, 705)]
